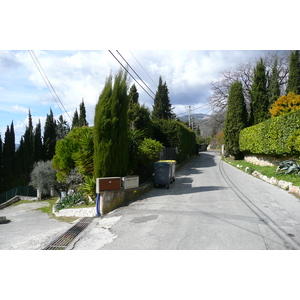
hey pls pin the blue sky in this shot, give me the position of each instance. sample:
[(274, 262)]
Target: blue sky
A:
[(77, 75)]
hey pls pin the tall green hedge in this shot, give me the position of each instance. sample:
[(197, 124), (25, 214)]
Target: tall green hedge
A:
[(111, 128), (273, 137), (174, 134)]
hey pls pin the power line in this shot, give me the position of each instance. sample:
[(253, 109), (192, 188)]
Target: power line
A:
[(142, 67), (136, 73), (194, 109), (47, 81), (130, 74)]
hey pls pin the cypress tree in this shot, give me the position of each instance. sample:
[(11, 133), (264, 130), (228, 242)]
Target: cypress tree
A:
[(293, 84), (133, 96), (9, 158), (29, 153), (162, 108), (75, 120), (38, 143), (49, 137), (274, 88), (110, 128), (259, 105), (82, 115), (20, 162), (236, 119)]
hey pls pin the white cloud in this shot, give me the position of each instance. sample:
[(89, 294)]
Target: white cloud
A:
[(19, 109), (82, 74)]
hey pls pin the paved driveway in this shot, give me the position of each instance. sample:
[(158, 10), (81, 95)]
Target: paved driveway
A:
[(28, 228)]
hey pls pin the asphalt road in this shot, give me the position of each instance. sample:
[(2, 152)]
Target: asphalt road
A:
[(211, 205), (28, 228)]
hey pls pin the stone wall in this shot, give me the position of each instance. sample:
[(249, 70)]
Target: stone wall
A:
[(265, 160), (261, 160), (10, 201), (110, 200)]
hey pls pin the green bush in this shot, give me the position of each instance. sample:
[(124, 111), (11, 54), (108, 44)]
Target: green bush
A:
[(174, 134), (70, 152), (279, 136), (69, 201), (148, 153)]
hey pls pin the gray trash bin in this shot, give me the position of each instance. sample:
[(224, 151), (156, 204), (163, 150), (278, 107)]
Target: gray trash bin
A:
[(162, 174), (173, 167)]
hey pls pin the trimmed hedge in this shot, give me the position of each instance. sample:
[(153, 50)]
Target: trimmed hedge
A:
[(175, 134), (273, 137)]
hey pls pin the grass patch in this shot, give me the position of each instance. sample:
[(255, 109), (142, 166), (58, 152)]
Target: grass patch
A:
[(48, 209), (267, 171)]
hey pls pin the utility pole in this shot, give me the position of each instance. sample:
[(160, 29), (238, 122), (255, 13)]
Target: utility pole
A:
[(189, 111)]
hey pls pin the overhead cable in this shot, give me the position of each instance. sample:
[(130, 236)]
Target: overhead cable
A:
[(194, 109), (142, 67), (130, 74), (47, 81), (135, 73)]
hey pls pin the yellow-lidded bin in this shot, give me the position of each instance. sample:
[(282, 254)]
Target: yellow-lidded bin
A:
[(173, 165)]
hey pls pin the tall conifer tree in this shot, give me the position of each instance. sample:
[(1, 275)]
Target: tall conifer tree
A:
[(162, 108), (49, 136), (133, 96), (29, 153), (75, 120), (82, 115), (9, 158), (236, 119), (294, 73), (38, 143), (274, 87), (259, 104), (110, 128)]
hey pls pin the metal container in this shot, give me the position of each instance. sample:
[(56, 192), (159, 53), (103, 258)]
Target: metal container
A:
[(162, 174), (130, 182), (173, 167), (108, 184)]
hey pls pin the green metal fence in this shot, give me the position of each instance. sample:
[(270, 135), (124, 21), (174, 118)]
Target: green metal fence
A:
[(18, 190)]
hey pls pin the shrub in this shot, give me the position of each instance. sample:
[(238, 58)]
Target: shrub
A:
[(89, 187), (285, 104), (43, 177), (148, 154), (73, 150), (277, 136), (175, 134), (69, 201)]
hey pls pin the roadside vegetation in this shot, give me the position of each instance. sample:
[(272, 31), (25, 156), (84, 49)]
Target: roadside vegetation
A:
[(48, 209), (267, 171), (126, 139)]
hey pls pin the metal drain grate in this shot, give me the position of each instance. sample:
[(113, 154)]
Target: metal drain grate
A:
[(62, 242)]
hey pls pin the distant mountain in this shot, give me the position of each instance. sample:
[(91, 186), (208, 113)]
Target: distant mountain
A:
[(197, 117)]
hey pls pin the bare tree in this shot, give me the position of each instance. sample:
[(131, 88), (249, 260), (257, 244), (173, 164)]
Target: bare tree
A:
[(244, 74)]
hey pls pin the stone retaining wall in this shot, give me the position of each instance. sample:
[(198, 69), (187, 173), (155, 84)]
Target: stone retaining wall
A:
[(110, 200), (10, 201), (265, 160), (16, 199), (76, 212), (260, 160)]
